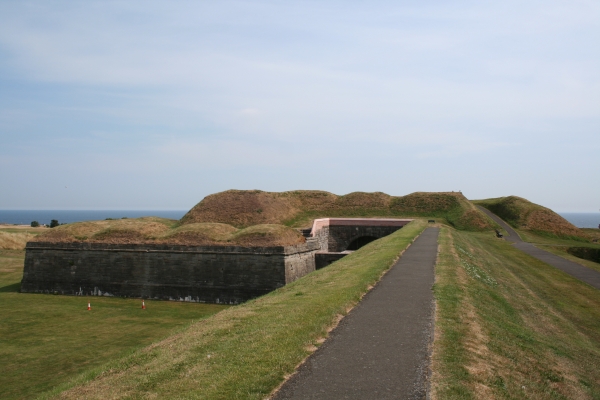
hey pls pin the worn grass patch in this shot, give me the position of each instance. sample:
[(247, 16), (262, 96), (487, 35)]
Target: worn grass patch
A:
[(246, 351), (510, 326), (47, 340)]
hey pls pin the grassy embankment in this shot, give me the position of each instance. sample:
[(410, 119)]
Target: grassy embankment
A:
[(543, 227), (256, 218), (510, 326), (156, 230), (242, 208), (530, 217), (247, 350), (46, 340)]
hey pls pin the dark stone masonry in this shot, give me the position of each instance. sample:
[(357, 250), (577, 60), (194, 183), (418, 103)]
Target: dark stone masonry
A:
[(213, 274)]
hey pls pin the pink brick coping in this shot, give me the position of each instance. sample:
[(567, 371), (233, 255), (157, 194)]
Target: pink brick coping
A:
[(323, 222)]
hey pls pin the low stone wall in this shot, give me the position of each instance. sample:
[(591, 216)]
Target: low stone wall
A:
[(216, 274), (587, 253)]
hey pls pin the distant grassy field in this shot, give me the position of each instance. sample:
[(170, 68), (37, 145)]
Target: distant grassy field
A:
[(510, 326), (47, 340), (22, 229)]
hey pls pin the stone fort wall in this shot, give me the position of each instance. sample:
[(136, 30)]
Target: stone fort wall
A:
[(216, 274), (336, 234)]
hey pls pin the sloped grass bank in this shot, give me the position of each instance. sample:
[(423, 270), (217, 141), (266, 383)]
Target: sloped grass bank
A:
[(246, 351), (243, 208), (523, 214), (156, 230), (46, 340), (510, 326)]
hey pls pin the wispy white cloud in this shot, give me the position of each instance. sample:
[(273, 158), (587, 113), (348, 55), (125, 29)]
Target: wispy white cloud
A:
[(261, 84)]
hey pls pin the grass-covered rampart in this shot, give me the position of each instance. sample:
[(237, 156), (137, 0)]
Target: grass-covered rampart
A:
[(255, 218), (242, 208), (246, 351), (523, 214), (153, 230), (510, 326)]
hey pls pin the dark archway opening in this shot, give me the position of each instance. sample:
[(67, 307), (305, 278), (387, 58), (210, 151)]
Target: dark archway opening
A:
[(360, 242)]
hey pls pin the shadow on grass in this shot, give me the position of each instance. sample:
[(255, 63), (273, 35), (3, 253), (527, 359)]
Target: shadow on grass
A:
[(15, 287)]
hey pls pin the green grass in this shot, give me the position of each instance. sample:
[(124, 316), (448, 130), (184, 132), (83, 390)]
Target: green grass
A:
[(47, 340), (32, 231), (507, 326), (510, 326), (305, 219), (246, 351), (523, 214), (545, 240)]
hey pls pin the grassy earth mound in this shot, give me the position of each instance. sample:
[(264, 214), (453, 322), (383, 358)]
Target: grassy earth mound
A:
[(243, 208), (255, 218), (523, 214), (164, 231)]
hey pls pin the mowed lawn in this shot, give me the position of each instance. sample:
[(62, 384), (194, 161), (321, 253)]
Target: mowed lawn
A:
[(47, 340), (509, 326)]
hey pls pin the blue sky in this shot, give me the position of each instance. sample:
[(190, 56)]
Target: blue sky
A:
[(154, 105)]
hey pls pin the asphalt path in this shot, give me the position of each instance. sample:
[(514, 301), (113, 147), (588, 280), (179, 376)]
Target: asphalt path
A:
[(578, 271), (380, 350)]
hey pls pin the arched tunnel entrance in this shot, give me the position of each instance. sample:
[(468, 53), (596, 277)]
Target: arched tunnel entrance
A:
[(360, 242), (339, 236)]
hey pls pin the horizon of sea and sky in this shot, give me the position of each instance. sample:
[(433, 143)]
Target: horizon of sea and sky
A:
[(25, 217)]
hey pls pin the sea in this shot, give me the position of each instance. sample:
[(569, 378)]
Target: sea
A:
[(582, 220), (25, 217)]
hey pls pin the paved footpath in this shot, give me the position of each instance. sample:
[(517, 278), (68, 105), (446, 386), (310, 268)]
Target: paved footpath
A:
[(578, 271), (380, 350)]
